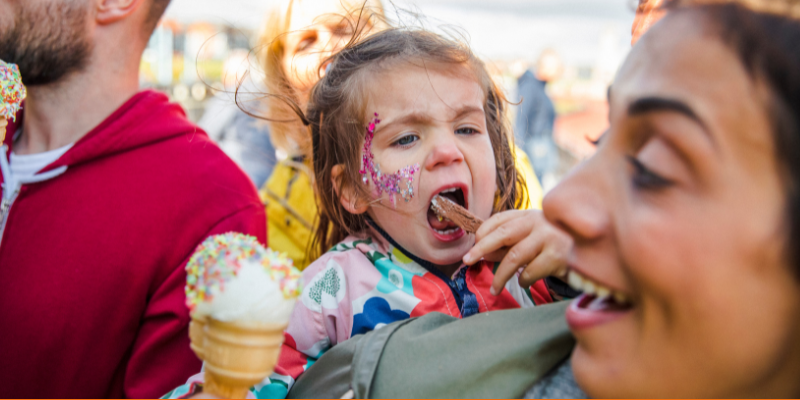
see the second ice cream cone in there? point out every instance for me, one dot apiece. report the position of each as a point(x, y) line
point(3, 125)
point(238, 355)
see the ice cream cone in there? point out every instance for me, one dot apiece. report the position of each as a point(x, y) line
point(197, 335)
point(239, 355)
point(3, 124)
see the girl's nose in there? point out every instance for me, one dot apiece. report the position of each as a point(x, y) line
point(579, 204)
point(445, 152)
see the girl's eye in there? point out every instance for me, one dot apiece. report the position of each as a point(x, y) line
point(643, 178)
point(406, 140)
point(466, 131)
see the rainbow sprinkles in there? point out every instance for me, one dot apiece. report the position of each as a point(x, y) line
point(392, 184)
point(219, 258)
point(12, 91)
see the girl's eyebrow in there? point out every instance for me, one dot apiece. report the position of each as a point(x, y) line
point(415, 118)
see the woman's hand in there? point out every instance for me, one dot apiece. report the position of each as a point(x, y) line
point(520, 239)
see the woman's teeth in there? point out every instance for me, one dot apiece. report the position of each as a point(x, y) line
point(587, 286)
point(447, 232)
point(451, 190)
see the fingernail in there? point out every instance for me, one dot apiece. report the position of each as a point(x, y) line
point(467, 259)
point(492, 291)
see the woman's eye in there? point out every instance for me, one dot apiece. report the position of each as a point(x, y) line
point(406, 140)
point(306, 43)
point(466, 131)
point(643, 178)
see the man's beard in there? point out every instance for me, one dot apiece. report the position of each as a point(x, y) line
point(46, 42)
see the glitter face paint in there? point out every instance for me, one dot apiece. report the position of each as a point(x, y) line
point(400, 182)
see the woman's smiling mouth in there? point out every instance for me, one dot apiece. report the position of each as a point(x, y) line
point(597, 305)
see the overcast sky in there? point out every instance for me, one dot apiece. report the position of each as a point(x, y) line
point(583, 31)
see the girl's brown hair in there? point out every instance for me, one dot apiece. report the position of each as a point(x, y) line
point(337, 114)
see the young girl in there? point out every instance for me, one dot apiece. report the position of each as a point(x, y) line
point(397, 119)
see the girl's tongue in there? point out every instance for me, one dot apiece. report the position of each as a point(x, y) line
point(437, 224)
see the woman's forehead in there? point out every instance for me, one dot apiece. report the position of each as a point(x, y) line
point(682, 59)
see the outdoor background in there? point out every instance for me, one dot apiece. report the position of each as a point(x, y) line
point(187, 55)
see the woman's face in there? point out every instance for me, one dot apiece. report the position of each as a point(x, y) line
point(317, 29)
point(679, 220)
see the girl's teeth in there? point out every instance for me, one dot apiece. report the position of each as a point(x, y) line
point(447, 232)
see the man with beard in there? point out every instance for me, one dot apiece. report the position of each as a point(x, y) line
point(106, 191)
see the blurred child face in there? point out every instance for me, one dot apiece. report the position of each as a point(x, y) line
point(681, 215)
point(433, 117)
point(317, 29)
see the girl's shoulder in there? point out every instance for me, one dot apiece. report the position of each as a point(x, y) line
point(344, 272)
point(351, 253)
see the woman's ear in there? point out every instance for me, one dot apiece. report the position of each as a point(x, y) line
point(348, 196)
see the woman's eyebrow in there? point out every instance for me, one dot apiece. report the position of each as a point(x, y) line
point(647, 105)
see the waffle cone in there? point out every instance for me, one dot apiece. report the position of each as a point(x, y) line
point(238, 356)
point(197, 335)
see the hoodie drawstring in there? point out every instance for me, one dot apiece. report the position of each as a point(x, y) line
point(12, 184)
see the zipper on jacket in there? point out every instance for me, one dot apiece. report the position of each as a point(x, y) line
point(5, 207)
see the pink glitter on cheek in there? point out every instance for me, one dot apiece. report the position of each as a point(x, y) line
point(400, 182)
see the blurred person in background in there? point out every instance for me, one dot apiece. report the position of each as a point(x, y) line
point(299, 36)
point(243, 137)
point(536, 116)
point(106, 192)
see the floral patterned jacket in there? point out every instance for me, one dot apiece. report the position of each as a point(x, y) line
point(363, 284)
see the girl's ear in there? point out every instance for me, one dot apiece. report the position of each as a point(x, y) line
point(348, 196)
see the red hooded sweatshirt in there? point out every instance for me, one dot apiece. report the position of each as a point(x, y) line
point(92, 255)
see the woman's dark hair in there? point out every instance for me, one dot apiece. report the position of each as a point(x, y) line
point(337, 115)
point(767, 42)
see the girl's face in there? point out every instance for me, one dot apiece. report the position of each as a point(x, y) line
point(432, 117)
point(317, 29)
point(681, 216)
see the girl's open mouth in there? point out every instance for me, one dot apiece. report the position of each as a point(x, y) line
point(597, 305)
point(444, 229)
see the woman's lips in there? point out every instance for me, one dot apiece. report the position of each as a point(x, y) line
point(588, 311)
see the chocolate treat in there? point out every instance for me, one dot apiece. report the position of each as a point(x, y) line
point(446, 208)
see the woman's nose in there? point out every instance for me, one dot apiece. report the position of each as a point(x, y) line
point(445, 152)
point(579, 204)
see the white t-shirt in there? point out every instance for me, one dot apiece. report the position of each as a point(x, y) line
point(26, 166)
